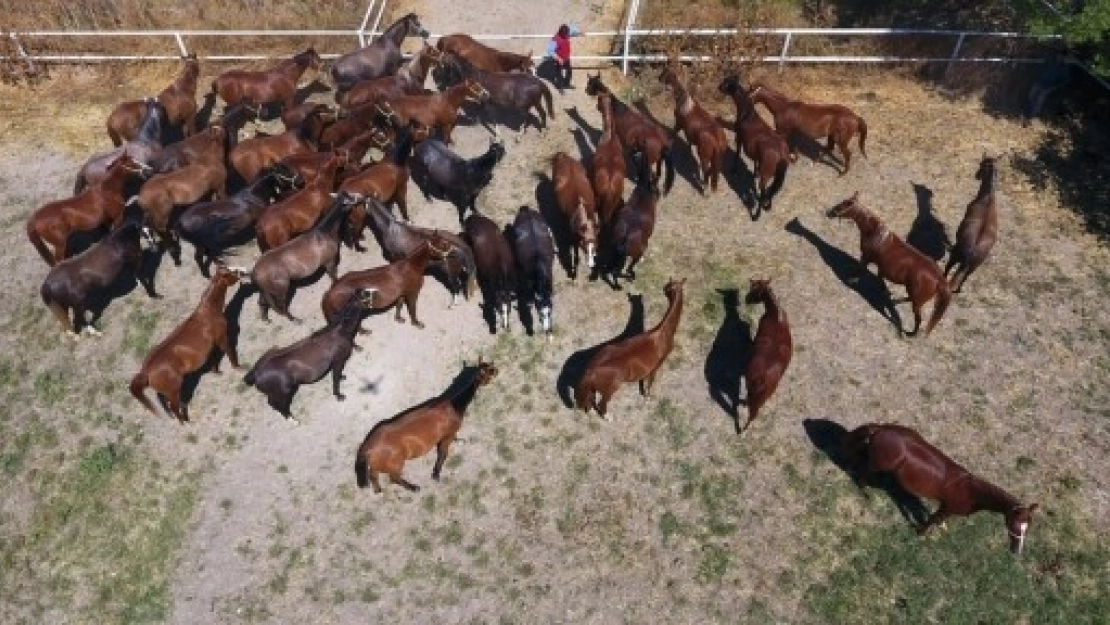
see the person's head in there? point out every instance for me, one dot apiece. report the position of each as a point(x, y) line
point(564, 31)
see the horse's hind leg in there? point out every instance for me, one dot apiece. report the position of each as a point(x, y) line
point(410, 303)
point(396, 478)
point(843, 144)
point(441, 455)
point(62, 314)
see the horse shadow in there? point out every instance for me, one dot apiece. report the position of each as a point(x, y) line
point(587, 137)
point(518, 121)
point(681, 155)
point(203, 117)
point(233, 312)
point(549, 71)
point(848, 270)
point(729, 356)
point(927, 234)
point(827, 436)
point(810, 148)
point(741, 180)
point(575, 366)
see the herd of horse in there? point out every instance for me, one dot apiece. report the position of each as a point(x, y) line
point(306, 193)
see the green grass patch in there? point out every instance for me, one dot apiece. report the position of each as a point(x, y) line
point(140, 330)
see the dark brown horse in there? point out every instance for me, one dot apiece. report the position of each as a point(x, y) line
point(146, 148)
point(416, 431)
point(50, 227)
point(275, 85)
point(703, 133)
point(400, 240)
point(771, 350)
point(978, 230)
point(276, 270)
point(484, 57)
point(297, 213)
point(897, 261)
point(438, 110)
point(294, 117)
point(72, 283)
point(210, 146)
point(575, 198)
point(925, 471)
point(635, 359)
point(386, 181)
point(511, 91)
point(493, 258)
point(534, 251)
point(164, 194)
point(633, 225)
point(213, 227)
point(608, 165)
point(380, 58)
point(836, 123)
point(638, 132)
point(438, 170)
point(409, 80)
point(767, 149)
point(394, 285)
point(188, 348)
point(251, 156)
point(281, 371)
point(179, 100)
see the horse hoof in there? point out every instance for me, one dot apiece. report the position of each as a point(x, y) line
point(292, 420)
point(341, 397)
point(91, 331)
point(418, 324)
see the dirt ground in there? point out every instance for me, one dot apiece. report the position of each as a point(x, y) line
point(547, 515)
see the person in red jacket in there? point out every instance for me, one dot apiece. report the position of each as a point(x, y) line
point(558, 49)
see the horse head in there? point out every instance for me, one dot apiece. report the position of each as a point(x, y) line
point(309, 58)
point(758, 291)
point(986, 167)
point(1017, 525)
point(674, 288)
point(843, 209)
point(730, 85)
point(414, 27)
point(486, 372)
point(226, 275)
point(594, 86)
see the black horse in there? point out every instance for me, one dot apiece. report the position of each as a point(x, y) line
point(534, 248)
point(380, 58)
point(214, 227)
point(496, 269)
point(439, 171)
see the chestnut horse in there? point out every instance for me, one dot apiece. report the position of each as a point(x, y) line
point(394, 284)
point(493, 258)
point(575, 198)
point(297, 213)
point(380, 58)
point(213, 227)
point(409, 80)
point(387, 181)
point(164, 194)
point(276, 270)
point(767, 149)
point(897, 261)
point(484, 57)
point(837, 123)
point(251, 156)
point(608, 165)
point(179, 100)
point(439, 110)
point(309, 164)
point(71, 284)
point(146, 148)
point(415, 431)
point(93, 208)
point(978, 230)
point(633, 225)
point(277, 84)
point(635, 359)
point(703, 133)
point(771, 350)
point(638, 132)
point(281, 371)
point(188, 348)
point(925, 471)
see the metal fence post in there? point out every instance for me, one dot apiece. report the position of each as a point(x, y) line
point(629, 25)
point(955, 52)
point(365, 21)
point(785, 49)
point(23, 54)
point(181, 44)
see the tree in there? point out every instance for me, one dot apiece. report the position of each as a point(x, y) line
point(1084, 25)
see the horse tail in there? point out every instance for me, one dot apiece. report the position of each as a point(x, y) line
point(780, 177)
point(361, 470)
point(36, 240)
point(139, 384)
point(547, 100)
point(668, 161)
point(582, 393)
point(944, 296)
point(471, 273)
point(862, 136)
point(252, 375)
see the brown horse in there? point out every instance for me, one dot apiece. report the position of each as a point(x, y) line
point(771, 350)
point(925, 471)
point(608, 165)
point(409, 80)
point(978, 230)
point(179, 100)
point(439, 110)
point(164, 194)
point(837, 123)
point(394, 284)
point(386, 181)
point(188, 348)
point(635, 359)
point(277, 84)
point(251, 156)
point(414, 432)
point(276, 270)
point(638, 132)
point(633, 225)
point(897, 261)
point(484, 57)
point(767, 149)
point(496, 266)
point(147, 148)
point(72, 283)
point(308, 165)
point(93, 208)
point(299, 212)
point(210, 146)
point(702, 130)
point(281, 371)
point(575, 198)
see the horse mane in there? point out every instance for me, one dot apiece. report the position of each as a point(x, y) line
point(334, 214)
point(487, 161)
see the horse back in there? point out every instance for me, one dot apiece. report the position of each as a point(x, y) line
point(920, 468)
point(415, 431)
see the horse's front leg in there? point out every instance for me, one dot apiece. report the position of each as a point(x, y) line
point(337, 374)
point(936, 518)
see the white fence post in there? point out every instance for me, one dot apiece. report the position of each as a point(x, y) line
point(955, 52)
point(785, 49)
point(365, 21)
point(629, 25)
point(23, 54)
point(181, 44)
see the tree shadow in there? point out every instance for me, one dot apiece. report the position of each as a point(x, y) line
point(848, 270)
point(729, 355)
point(827, 436)
point(560, 229)
point(928, 234)
point(575, 366)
